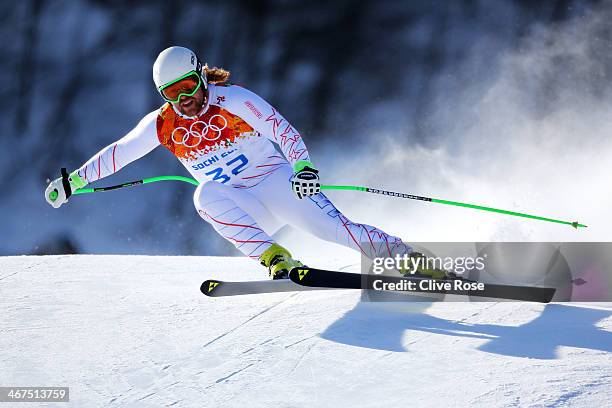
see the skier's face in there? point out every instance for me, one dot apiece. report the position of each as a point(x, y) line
point(192, 105)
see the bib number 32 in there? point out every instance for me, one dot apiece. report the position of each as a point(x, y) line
point(234, 166)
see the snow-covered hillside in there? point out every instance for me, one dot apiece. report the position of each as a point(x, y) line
point(125, 331)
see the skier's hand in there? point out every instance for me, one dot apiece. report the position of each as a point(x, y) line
point(55, 194)
point(305, 181)
point(60, 189)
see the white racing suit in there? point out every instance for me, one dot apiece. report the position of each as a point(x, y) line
point(244, 190)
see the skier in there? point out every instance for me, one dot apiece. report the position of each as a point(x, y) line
point(224, 134)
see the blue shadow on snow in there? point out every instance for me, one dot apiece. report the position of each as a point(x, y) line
point(372, 326)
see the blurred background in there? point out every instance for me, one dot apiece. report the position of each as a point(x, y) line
point(499, 103)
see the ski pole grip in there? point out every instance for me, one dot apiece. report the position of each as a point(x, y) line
point(66, 182)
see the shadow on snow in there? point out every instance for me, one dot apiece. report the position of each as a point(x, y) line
point(373, 326)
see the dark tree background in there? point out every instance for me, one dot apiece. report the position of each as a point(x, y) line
point(76, 75)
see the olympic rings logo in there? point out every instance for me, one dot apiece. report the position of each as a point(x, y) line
point(196, 134)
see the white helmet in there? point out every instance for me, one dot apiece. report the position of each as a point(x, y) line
point(174, 62)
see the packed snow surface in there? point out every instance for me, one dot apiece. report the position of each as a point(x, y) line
point(125, 331)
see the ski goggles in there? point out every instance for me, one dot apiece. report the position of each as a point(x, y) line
point(186, 85)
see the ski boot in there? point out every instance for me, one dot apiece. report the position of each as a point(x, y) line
point(423, 271)
point(278, 261)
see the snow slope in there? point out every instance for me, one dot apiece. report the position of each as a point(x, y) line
point(125, 331)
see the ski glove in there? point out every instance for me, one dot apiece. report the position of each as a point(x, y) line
point(60, 189)
point(305, 181)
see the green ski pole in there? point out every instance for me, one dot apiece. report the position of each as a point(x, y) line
point(574, 224)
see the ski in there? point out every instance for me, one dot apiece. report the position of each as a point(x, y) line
point(312, 277)
point(218, 288)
